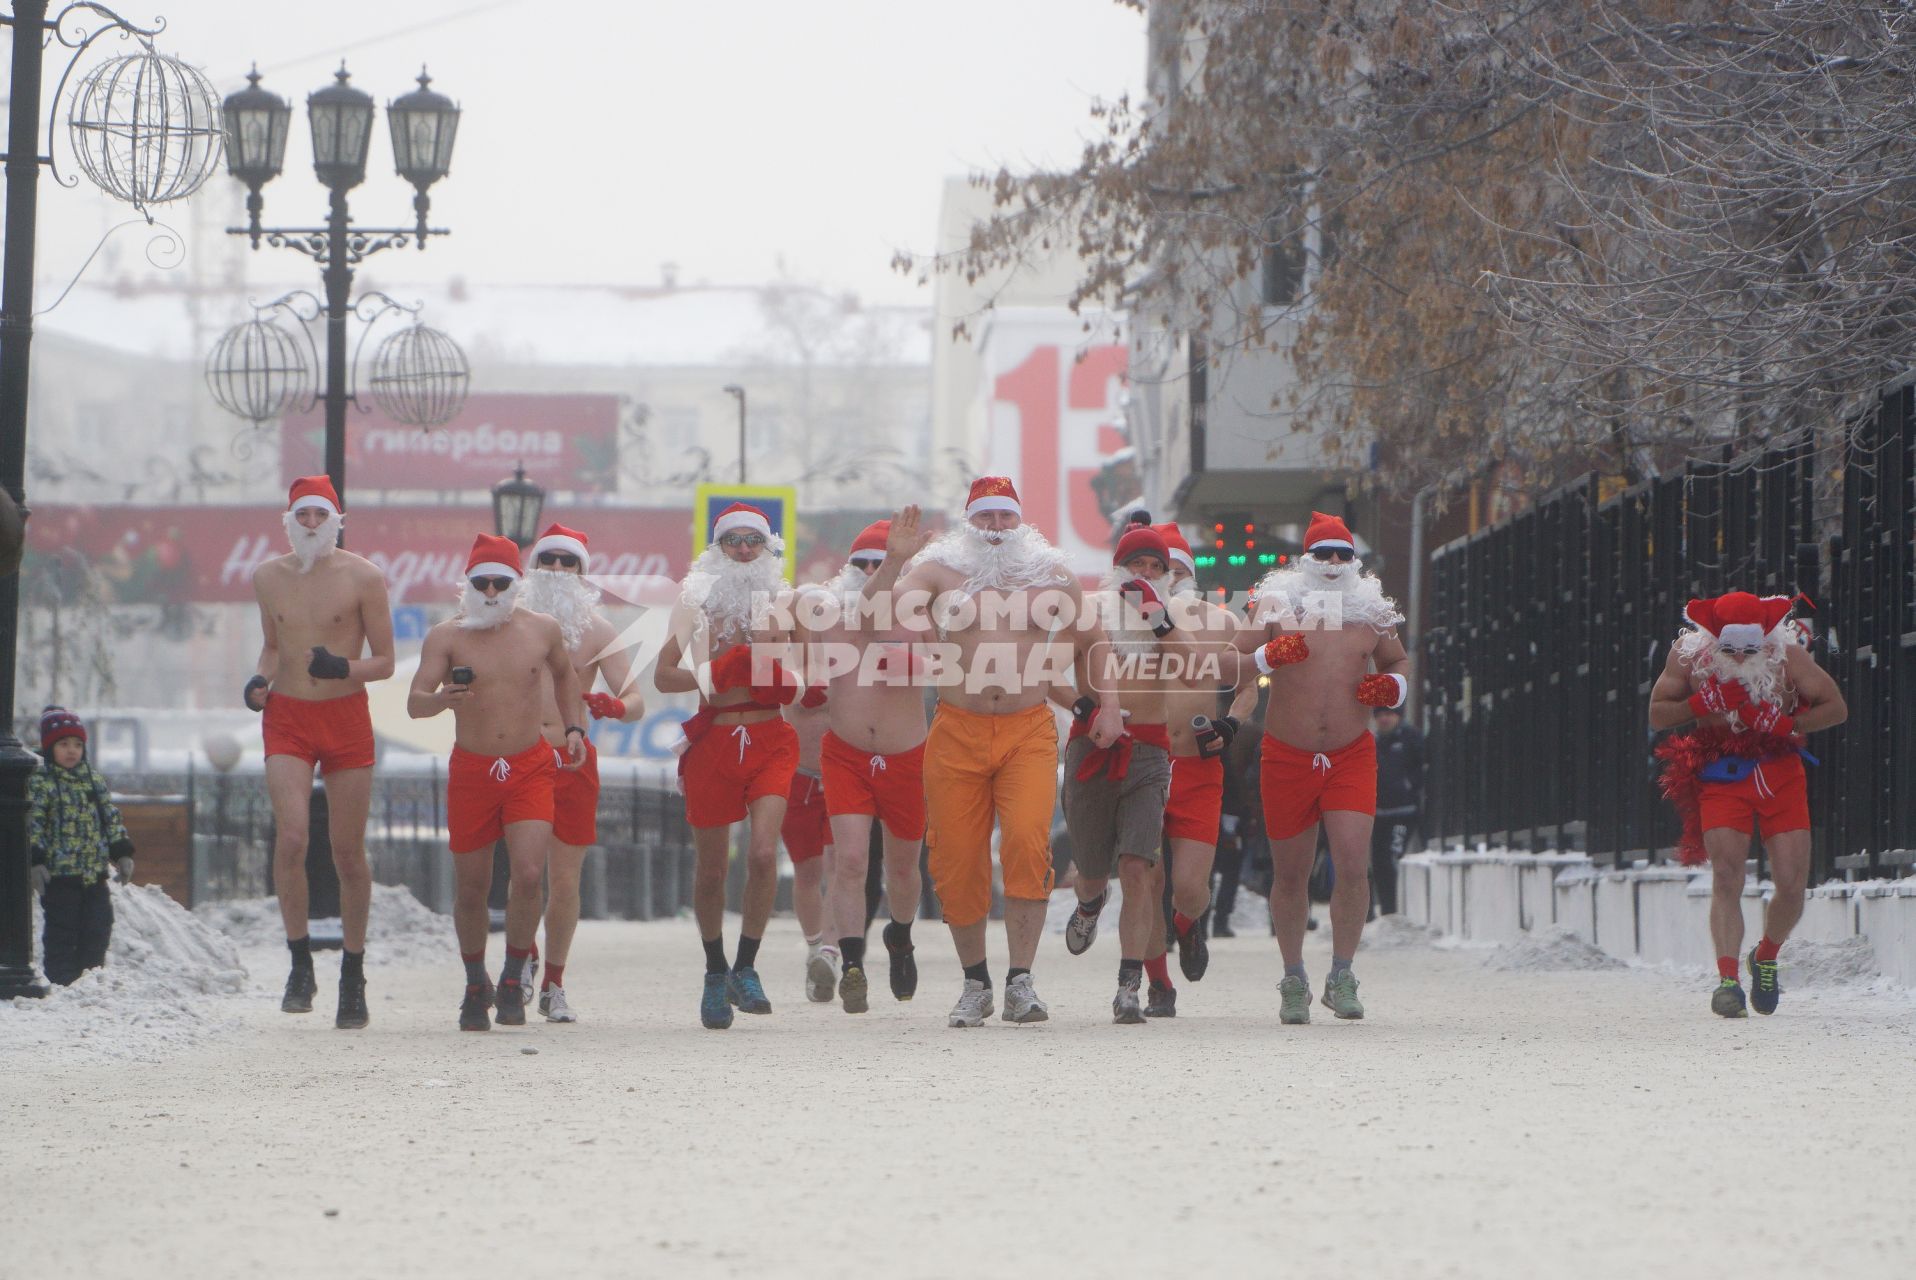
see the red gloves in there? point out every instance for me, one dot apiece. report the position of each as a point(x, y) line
point(1381, 690)
point(732, 669)
point(1144, 597)
point(1281, 652)
point(1767, 717)
point(604, 706)
point(813, 697)
point(782, 689)
point(1718, 698)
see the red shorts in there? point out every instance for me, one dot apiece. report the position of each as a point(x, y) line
point(806, 829)
point(1196, 799)
point(575, 800)
point(731, 765)
point(334, 734)
point(1777, 794)
point(485, 793)
point(889, 788)
point(1299, 786)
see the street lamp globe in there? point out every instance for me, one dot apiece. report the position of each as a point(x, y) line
point(516, 504)
point(342, 121)
point(424, 124)
point(256, 124)
point(420, 377)
point(146, 128)
point(258, 371)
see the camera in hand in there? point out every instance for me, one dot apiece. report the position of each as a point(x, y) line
point(462, 675)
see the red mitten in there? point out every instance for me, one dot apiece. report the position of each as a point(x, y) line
point(1382, 690)
point(1281, 652)
point(1144, 597)
point(604, 706)
point(782, 689)
point(1717, 697)
point(1767, 717)
point(732, 669)
point(813, 697)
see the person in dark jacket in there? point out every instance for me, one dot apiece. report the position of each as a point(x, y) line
point(1400, 801)
point(77, 837)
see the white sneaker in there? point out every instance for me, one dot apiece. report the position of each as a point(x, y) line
point(1022, 1003)
point(552, 1003)
point(1080, 931)
point(529, 980)
point(821, 974)
point(973, 1007)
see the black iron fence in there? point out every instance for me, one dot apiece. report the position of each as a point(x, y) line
point(1547, 631)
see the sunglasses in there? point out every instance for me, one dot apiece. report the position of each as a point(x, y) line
point(868, 563)
point(565, 559)
point(490, 584)
point(1342, 555)
point(1745, 651)
point(742, 540)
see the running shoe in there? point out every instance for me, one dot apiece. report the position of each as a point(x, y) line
point(973, 1007)
point(1125, 1008)
point(472, 1010)
point(743, 989)
point(904, 969)
point(1079, 933)
point(1295, 1009)
point(1727, 1000)
point(301, 987)
point(1194, 953)
point(1161, 1002)
point(529, 979)
point(1764, 989)
point(509, 1003)
point(1340, 995)
point(352, 1013)
point(853, 989)
point(715, 1009)
point(1022, 1003)
point(821, 974)
point(553, 1004)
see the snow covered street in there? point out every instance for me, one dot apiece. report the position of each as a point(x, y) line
point(1483, 1121)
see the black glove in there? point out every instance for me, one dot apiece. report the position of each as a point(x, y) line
point(328, 666)
point(1226, 727)
point(256, 684)
point(121, 848)
point(1084, 708)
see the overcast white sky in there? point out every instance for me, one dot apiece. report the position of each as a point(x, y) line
point(605, 137)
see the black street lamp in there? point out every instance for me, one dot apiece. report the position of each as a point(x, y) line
point(424, 124)
point(516, 504)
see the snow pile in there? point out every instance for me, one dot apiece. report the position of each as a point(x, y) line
point(399, 930)
point(1828, 964)
point(1552, 949)
point(1395, 933)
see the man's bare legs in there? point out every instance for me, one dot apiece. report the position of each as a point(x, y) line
point(851, 845)
point(1349, 837)
point(1137, 907)
point(809, 904)
point(349, 795)
point(289, 787)
point(712, 847)
point(903, 884)
point(1190, 877)
point(563, 869)
point(1290, 892)
point(1790, 873)
point(761, 865)
point(472, 885)
point(1024, 925)
point(969, 940)
point(1729, 852)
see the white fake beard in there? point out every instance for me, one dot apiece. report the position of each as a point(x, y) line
point(1361, 594)
point(310, 546)
point(481, 612)
point(1761, 676)
point(850, 580)
point(1006, 560)
point(1184, 586)
point(563, 596)
point(734, 594)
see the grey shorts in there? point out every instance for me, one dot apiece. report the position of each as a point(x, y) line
point(1112, 817)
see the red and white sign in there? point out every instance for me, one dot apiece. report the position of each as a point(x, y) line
point(565, 442)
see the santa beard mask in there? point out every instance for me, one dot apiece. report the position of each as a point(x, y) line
point(850, 580)
point(565, 597)
point(1184, 586)
point(310, 546)
point(1761, 676)
point(481, 612)
point(999, 559)
point(734, 594)
point(1312, 588)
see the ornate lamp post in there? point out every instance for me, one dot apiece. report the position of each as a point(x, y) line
point(733, 389)
point(516, 504)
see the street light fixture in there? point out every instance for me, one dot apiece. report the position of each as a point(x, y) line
point(733, 389)
point(516, 504)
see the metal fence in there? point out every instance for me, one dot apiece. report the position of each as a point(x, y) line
point(1547, 631)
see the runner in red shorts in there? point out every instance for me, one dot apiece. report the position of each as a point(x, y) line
point(481, 665)
point(807, 833)
point(1742, 674)
point(320, 609)
point(1317, 632)
point(740, 753)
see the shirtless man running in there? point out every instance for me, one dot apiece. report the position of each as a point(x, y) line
point(1318, 630)
point(486, 665)
point(320, 608)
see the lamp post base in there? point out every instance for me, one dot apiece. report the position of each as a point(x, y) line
point(17, 978)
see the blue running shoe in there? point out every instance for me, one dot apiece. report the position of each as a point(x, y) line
point(715, 1011)
point(1764, 989)
point(1727, 1000)
point(745, 991)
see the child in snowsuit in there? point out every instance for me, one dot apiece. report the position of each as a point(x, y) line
point(76, 836)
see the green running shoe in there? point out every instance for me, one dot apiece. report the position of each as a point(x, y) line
point(744, 989)
point(715, 1009)
point(1340, 995)
point(1727, 1000)
point(1296, 1008)
point(1764, 988)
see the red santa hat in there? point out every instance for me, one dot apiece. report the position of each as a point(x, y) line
point(559, 538)
point(493, 557)
point(1328, 531)
point(993, 493)
point(741, 516)
point(313, 491)
point(872, 538)
point(1142, 539)
point(1739, 619)
point(1175, 543)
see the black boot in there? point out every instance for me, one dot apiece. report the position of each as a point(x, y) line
point(352, 1005)
point(301, 987)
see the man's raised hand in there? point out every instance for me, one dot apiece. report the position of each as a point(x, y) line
point(906, 538)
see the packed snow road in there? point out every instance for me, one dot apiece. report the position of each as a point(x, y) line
point(1480, 1122)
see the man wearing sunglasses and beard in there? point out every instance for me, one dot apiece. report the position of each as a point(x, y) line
point(499, 670)
point(1326, 635)
point(556, 587)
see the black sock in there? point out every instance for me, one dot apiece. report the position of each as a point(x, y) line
point(853, 949)
point(302, 949)
point(1013, 972)
point(715, 955)
point(898, 935)
point(475, 970)
point(1130, 971)
point(980, 972)
point(1092, 907)
point(515, 967)
point(747, 953)
point(352, 966)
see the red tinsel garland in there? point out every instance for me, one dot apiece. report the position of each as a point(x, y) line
point(1685, 755)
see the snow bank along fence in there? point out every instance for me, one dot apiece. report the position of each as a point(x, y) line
point(1548, 629)
point(1652, 913)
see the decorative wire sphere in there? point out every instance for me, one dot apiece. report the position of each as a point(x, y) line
point(146, 128)
point(420, 377)
point(258, 371)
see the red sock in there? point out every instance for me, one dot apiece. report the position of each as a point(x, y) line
point(1766, 950)
point(1160, 973)
point(477, 957)
point(534, 952)
point(1726, 967)
point(520, 953)
point(554, 977)
point(1183, 922)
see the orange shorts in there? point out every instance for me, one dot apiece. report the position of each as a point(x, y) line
point(333, 733)
point(486, 793)
point(1301, 786)
point(806, 829)
point(731, 765)
point(979, 768)
point(1196, 800)
point(575, 800)
point(1777, 795)
point(889, 788)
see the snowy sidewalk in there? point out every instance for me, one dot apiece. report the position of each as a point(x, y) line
point(1481, 1122)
